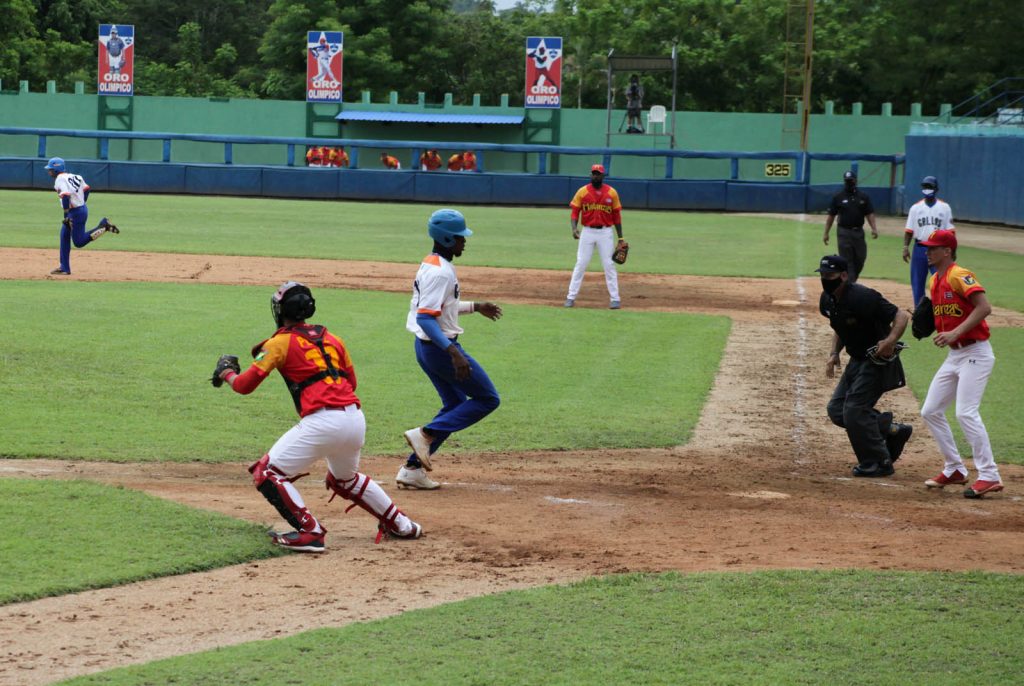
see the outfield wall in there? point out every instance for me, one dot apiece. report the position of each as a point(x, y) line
point(980, 170)
point(378, 185)
point(862, 133)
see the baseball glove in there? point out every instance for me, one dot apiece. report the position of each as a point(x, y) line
point(66, 221)
point(621, 252)
point(922, 323)
point(873, 353)
point(225, 362)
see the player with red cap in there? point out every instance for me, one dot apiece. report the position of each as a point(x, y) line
point(959, 306)
point(598, 205)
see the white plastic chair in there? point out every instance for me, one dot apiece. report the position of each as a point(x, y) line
point(656, 115)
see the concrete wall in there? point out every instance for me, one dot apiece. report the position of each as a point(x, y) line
point(584, 128)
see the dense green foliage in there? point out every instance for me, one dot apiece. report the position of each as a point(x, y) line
point(762, 628)
point(67, 536)
point(731, 53)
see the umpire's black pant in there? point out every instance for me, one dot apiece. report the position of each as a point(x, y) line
point(854, 249)
point(853, 407)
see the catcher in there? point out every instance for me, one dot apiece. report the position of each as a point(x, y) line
point(869, 327)
point(599, 205)
point(321, 379)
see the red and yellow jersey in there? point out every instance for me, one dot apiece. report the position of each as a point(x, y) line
point(313, 155)
point(468, 161)
point(599, 206)
point(951, 301)
point(298, 358)
point(430, 161)
point(391, 162)
point(455, 162)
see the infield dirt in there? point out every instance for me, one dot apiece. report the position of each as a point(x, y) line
point(763, 484)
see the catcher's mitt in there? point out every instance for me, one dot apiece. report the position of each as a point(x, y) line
point(225, 362)
point(922, 323)
point(66, 221)
point(621, 253)
point(896, 349)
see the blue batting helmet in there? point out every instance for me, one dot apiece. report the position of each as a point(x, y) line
point(930, 182)
point(445, 225)
point(55, 164)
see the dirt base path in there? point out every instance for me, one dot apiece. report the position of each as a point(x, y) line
point(764, 484)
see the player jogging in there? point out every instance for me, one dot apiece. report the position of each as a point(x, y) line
point(320, 376)
point(599, 205)
point(467, 394)
point(959, 306)
point(927, 215)
point(73, 192)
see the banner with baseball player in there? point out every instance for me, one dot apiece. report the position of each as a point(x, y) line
point(116, 73)
point(544, 72)
point(323, 66)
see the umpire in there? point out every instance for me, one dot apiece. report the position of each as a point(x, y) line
point(862, 319)
point(852, 206)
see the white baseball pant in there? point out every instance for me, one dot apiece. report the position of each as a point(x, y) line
point(338, 437)
point(605, 242)
point(962, 377)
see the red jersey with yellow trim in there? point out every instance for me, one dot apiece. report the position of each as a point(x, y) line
point(298, 358)
point(430, 161)
point(391, 162)
point(951, 301)
point(455, 162)
point(600, 206)
point(468, 161)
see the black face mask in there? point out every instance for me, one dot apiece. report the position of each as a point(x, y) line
point(851, 186)
point(830, 285)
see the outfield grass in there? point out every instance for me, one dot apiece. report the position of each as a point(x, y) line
point(1000, 408)
point(762, 628)
point(76, 535)
point(120, 371)
point(662, 242)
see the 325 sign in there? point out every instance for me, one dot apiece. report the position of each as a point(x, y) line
point(778, 169)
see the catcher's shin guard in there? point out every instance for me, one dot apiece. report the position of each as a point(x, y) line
point(277, 488)
point(364, 492)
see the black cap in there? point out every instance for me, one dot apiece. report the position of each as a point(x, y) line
point(832, 264)
point(849, 175)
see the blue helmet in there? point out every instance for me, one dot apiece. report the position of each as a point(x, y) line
point(445, 225)
point(930, 182)
point(56, 164)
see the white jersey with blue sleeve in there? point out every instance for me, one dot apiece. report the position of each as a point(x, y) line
point(73, 186)
point(435, 292)
point(922, 220)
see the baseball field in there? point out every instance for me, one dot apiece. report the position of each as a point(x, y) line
point(660, 498)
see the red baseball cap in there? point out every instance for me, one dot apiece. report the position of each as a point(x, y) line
point(942, 239)
point(597, 168)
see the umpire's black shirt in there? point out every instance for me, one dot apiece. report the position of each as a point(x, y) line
point(861, 318)
point(851, 207)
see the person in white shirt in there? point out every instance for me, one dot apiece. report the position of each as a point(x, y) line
point(927, 215)
point(467, 394)
point(73, 192)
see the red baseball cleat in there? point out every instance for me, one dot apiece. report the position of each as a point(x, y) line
point(957, 478)
point(302, 541)
point(980, 488)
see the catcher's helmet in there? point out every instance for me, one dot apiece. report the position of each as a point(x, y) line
point(445, 225)
point(930, 182)
point(292, 301)
point(56, 164)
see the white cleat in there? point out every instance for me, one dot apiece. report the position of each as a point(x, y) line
point(420, 445)
point(415, 478)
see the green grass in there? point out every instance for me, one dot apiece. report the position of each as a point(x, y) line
point(120, 371)
point(763, 628)
point(1000, 408)
point(662, 242)
point(67, 536)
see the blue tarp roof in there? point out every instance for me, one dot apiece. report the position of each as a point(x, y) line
point(431, 118)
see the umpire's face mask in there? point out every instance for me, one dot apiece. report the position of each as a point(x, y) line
point(831, 285)
point(851, 184)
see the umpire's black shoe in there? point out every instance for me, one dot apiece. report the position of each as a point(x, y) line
point(896, 442)
point(873, 470)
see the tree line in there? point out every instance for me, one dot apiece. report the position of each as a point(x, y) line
point(731, 52)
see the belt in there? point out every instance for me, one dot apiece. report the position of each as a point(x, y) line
point(962, 344)
point(599, 227)
point(852, 228)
